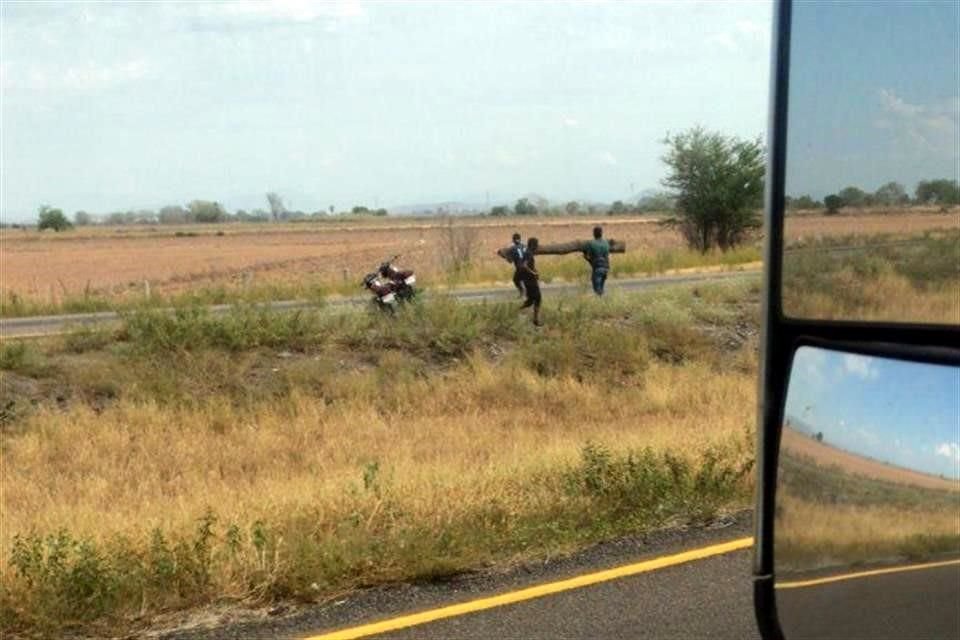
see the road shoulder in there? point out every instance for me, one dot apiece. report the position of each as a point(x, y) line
point(380, 602)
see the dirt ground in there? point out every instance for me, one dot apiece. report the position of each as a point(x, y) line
point(110, 260)
point(825, 455)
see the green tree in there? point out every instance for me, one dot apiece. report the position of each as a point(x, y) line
point(655, 202)
point(500, 210)
point(718, 184)
point(618, 208)
point(173, 214)
point(525, 208)
point(572, 208)
point(891, 194)
point(205, 211)
point(82, 219)
point(833, 203)
point(50, 218)
point(938, 192)
point(803, 202)
point(853, 196)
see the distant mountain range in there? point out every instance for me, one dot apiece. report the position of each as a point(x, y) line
point(463, 207)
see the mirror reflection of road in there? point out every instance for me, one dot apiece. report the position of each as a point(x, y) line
point(912, 601)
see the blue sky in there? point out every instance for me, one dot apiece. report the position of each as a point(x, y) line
point(904, 413)
point(874, 94)
point(111, 106)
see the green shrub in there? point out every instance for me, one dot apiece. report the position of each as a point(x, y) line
point(241, 328)
point(22, 357)
point(650, 487)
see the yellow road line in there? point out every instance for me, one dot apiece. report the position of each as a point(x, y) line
point(863, 574)
point(538, 591)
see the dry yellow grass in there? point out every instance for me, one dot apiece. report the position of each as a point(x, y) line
point(448, 438)
point(471, 437)
point(811, 535)
point(890, 298)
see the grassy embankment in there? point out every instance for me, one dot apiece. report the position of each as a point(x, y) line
point(827, 516)
point(188, 459)
point(895, 278)
point(313, 288)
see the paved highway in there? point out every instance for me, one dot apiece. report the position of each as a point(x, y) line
point(919, 601)
point(709, 598)
point(53, 325)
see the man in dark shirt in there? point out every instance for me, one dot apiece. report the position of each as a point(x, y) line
point(530, 278)
point(598, 255)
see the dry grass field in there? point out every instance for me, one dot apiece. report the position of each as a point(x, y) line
point(261, 457)
point(113, 263)
point(835, 508)
point(799, 444)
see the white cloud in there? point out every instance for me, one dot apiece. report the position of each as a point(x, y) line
point(569, 121)
point(926, 127)
point(808, 366)
point(860, 366)
point(949, 450)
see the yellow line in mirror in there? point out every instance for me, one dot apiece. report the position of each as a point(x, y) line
point(863, 574)
point(538, 591)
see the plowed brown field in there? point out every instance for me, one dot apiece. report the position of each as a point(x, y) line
point(110, 260)
point(825, 455)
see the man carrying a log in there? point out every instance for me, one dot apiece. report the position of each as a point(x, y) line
point(517, 252)
point(597, 253)
point(529, 276)
point(514, 255)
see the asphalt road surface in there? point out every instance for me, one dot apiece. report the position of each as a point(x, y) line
point(917, 603)
point(709, 598)
point(52, 325)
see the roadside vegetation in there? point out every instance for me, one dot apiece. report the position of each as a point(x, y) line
point(316, 289)
point(882, 277)
point(188, 459)
point(827, 516)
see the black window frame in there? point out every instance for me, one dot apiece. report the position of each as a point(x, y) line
point(781, 336)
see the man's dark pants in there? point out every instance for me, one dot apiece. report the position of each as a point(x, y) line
point(598, 278)
point(518, 280)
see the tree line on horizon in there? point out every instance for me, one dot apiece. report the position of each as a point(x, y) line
point(940, 192)
point(713, 196)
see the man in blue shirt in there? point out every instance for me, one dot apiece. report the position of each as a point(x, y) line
point(598, 255)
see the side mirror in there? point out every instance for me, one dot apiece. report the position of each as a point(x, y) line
point(867, 517)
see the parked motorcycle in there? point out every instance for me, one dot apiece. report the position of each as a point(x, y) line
point(390, 286)
point(404, 279)
point(384, 291)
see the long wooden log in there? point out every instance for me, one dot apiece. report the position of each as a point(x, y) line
point(560, 248)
